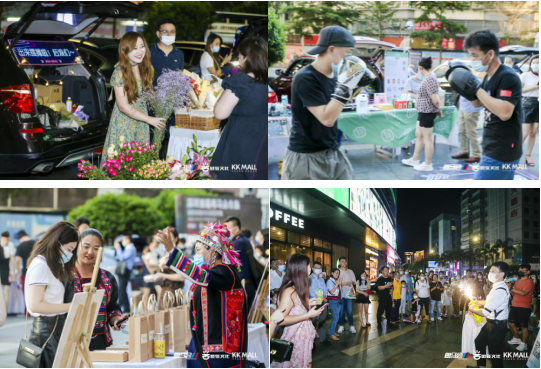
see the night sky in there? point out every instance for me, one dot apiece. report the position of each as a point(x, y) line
point(415, 209)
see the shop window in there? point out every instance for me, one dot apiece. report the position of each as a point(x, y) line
point(305, 240)
point(277, 234)
point(318, 242)
point(327, 245)
point(293, 237)
point(338, 252)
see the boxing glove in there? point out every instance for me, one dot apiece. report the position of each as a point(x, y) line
point(350, 71)
point(454, 65)
point(464, 83)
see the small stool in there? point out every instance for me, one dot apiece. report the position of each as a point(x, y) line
point(98, 151)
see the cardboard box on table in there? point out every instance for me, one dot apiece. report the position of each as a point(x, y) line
point(46, 95)
point(109, 355)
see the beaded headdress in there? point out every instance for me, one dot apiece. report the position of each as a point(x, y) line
point(218, 237)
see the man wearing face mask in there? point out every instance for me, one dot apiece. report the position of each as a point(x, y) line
point(318, 95)
point(125, 255)
point(277, 274)
point(246, 255)
point(496, 310)
point(510, 62)
point(521, 307)
point(501, 95)
point(165, 55)
point(317, 283)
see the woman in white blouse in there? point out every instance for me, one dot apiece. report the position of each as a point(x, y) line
point(211, 62)
point(50, 267)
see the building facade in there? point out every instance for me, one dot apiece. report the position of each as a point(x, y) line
point(444, 233)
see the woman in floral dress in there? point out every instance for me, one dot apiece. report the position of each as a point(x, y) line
point(131, 76)
point(294, 298)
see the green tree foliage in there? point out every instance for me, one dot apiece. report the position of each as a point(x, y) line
point(277, 39)
point(378, 17)
point(309, 17)
point(112, 214)
point(443, 28)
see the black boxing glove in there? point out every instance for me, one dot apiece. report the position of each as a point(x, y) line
point(464, 83)
point(350, 71)
point(454, 65)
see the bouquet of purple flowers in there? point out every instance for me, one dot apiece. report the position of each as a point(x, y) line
point(170, 94)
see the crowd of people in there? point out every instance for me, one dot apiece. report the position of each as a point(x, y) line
point(240, 107)
point(46, 274)
point(304, 298)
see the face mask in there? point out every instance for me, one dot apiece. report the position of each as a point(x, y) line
point(520, 274)
point(415, 296)
point(334, 66)
point(281, 268)
point(168, 40)
point(480, 276)
point(363, 277)
point(183, 248)
point(535, 67)
point(124, 243)
point(199, 260)
point(422, 278)
point(492, 277)
point(407, 273)
point(403, 285)
point(421, 77)
point(317, 271)
point(478, 66)
point(401, 273)
point(66, 256)
point(215, 49)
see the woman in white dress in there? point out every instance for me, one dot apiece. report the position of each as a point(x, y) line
point(211, 62)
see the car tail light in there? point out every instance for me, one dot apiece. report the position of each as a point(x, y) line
point(32, 130)
point(18, 99)
point(272, 97)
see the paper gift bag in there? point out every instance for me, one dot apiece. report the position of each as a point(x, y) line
point(151, 309)
point(162, 320)
point(184, 306)
point(138, 336)
point(178, 329)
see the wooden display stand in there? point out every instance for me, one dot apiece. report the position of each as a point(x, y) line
point(259, 308)
point(73, 348)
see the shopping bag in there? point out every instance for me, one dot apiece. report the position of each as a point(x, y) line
point(151, 317)
point(178, 322)
point(138, 335)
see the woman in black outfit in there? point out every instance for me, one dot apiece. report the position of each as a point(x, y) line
point(243, 102)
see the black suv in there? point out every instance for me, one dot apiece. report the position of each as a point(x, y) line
point(28, 142)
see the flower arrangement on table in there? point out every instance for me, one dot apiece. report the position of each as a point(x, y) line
point(137, 160)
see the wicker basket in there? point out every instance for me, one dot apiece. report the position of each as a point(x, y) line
point(202, 120)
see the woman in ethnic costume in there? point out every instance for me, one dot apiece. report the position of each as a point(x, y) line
point(218, 308)
point(90, 242)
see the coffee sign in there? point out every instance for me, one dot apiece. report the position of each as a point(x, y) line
point(286, 218)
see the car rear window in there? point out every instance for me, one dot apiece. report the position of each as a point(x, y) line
point(71, 19)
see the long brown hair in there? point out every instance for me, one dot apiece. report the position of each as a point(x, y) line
point(530, 64)
point(49, 245)
point(208, 49)
point(296, 276)
point(256, 53)
point(126, 46)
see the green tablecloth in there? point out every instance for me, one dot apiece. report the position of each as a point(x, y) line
point(393, 128)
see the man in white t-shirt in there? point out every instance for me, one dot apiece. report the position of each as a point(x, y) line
point(422, 288)
point(277, 274)
point(348, 295)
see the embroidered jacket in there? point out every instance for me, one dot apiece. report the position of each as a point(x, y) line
point(109, 306)
point(218, 309)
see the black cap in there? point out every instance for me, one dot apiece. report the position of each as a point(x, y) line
point(333, 36)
